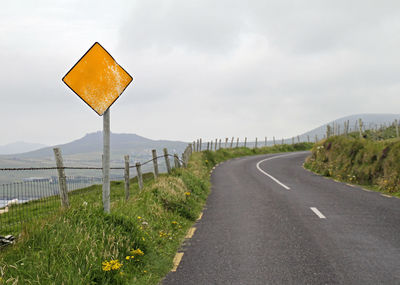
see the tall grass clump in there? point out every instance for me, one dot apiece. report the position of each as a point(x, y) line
point(359, 161)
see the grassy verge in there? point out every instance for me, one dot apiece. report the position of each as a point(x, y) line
point(135, 244)
point(374, 164)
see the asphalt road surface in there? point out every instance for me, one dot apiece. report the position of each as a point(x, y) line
point(269, 221)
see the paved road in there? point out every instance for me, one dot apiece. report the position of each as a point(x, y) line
point(256, 231)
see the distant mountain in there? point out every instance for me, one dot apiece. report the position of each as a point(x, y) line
point(19, 147)
point(87, 152)
point(369, 121)
point(89, 149)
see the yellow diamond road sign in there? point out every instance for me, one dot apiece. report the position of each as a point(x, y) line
point(97, 79)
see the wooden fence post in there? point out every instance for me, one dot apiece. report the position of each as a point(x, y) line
point(215, 147)
point(232, 141)
point(226, 142)
point(62, 180)
point(194, 146)
point(298, 139)
point(126, 176)
point(328, 130)
point(139, 175)
point(265, 141)
point(237, 142)
point(167, 161)
point(155, 163)
point(273, 138)
point(245, 141)
point(360, 125)
point(255, 145)
point(211, 145)
point(176, 161)
point(184, 155)
point(220, 143)
point(282, 141)
point(208, 145)
point(201, 142)
point(308, 138)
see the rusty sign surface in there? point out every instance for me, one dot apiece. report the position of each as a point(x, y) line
point(97, 79)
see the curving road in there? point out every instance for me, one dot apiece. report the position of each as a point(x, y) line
point(269, 221)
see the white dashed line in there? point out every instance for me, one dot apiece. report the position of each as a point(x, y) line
point(317, 212)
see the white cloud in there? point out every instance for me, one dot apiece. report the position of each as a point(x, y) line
point(201, 68)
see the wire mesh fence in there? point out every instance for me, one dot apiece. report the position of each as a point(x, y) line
point(32, 198)
point(31, 193)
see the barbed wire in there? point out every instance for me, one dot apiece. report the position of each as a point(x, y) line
point(83, 167)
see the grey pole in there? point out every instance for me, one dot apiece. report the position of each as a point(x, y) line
point(106, 161)
point(168, 165)
point(126, 176)
point(155, 163)
point(62, 180)
point(139, 175)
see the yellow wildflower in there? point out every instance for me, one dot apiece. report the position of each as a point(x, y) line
point(187, 193)
point(106, 266)
point(137, 252)
point(115, 264)
point(139, 217)
point(111, 265)
point(174, 222)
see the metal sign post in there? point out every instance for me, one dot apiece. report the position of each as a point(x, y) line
point(99, 81)
point(106, 161)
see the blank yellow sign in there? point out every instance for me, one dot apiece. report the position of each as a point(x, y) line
point(97, 79)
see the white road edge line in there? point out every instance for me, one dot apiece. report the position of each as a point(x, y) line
point(270, 176)
point(317, 212)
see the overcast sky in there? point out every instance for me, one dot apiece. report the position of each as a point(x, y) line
point(201, 68)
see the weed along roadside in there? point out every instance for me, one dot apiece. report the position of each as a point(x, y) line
point(134, 244)
point(363, 161)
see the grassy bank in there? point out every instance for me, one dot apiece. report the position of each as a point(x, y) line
point(135, 244)
point(359, 161)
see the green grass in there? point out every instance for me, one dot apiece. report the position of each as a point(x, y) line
point(71, 246)
point(367, 162)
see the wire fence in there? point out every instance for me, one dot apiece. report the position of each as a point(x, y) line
point(37, 193)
